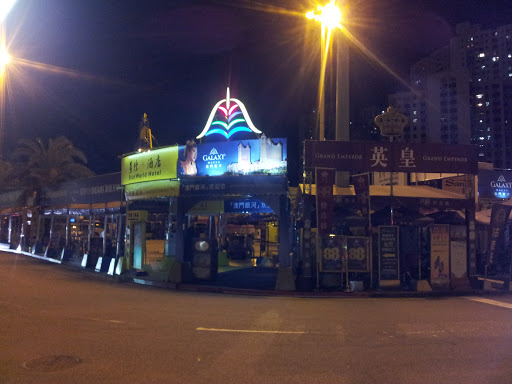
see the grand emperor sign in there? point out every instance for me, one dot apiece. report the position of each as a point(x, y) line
point(390, 157)
point(157, 164)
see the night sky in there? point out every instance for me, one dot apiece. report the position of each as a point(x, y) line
point(106, 62)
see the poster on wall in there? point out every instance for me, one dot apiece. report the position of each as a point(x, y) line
point(325, 179)
point(240, 157)
point(389, 268)
point(332, 250)
point(458, 257)
point(440, 255)
point(361, 185)
point(500, 214)
point(358, 254)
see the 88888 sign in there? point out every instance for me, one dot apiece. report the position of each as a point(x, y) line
point(333, 251)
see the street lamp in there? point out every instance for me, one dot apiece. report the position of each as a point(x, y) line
point(5, 7)
point(4, 59)
point(330, 16)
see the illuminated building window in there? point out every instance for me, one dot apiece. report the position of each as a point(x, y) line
point(481, 55)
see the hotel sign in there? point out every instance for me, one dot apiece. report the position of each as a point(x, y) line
point(263, 156)
point(494, 184)
point(157, 164)
point(390, 157)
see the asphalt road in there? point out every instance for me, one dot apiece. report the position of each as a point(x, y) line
point(59, 325)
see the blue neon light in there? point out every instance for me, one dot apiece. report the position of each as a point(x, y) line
point(233, 115)
point(227, 135)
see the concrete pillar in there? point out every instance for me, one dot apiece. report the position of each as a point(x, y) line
point(67, 230)
point(285, 277)
point(89, 230)
point(119, 234)
point(105, 227)
point(10, 230)
point(180, 231)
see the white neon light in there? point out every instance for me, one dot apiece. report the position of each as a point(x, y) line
point(228, 101)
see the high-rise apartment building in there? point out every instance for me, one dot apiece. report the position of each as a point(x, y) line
point(463, 94)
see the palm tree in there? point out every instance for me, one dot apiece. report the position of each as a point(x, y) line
point(37, 165)
point(41, 165)
point(5, 175)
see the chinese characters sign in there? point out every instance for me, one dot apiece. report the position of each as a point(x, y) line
point(440, 255)
point(324, 199)
point(246, 206)
point(499, 219)
point(390, 157)
point(362, 190)
point(158, 164)
point(388, 253)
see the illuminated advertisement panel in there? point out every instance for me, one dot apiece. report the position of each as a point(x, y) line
point(494, 184)
point(156, 164)
point(239, 157)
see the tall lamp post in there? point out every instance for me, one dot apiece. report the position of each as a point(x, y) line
point(330, 17)
point(5, 7)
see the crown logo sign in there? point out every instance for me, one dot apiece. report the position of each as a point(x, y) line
point(501, 178)
point(214, 152)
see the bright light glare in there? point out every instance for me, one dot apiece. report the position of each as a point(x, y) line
point(5, 7)
point(4, 58)
point(329, 15)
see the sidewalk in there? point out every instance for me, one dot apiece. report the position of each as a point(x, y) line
point(242, 282)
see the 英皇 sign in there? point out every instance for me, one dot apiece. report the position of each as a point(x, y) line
point(390, 157)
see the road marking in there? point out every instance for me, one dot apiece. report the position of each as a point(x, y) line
point(245, 330)
point(491, 302)
point(112, 321)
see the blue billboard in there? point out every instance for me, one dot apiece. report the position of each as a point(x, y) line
point(246, 206)
point(240, 157)
point(494, 184)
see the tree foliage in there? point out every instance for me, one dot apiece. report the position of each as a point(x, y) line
point(40, 164)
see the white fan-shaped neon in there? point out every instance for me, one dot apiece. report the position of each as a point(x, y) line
point(228, 101)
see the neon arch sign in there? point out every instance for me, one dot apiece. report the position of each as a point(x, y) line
point(236, 119)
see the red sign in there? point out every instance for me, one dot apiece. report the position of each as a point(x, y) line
point(325, 179)
point(391, 157)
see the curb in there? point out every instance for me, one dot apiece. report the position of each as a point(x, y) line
point(188, 287)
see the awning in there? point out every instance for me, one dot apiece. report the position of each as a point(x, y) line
point(418, 195)
point(152, 189)
point(484, 217)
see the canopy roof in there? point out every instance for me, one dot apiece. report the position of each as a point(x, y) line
point(418, 191)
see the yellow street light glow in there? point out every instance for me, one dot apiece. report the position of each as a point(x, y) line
point(329, 15)
point(4, 58)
